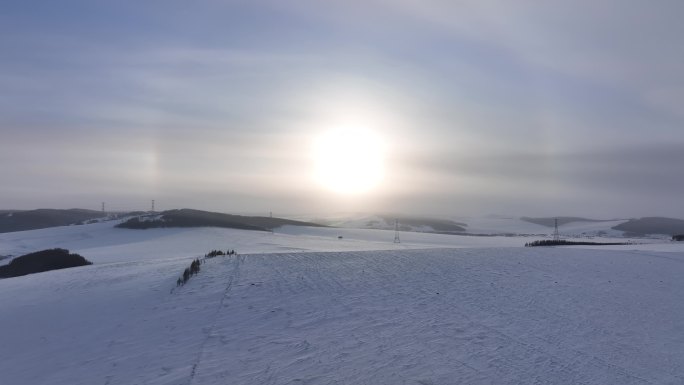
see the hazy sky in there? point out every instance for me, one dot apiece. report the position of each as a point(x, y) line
point(523, 107)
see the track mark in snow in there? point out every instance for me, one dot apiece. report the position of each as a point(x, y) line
point(232, 279)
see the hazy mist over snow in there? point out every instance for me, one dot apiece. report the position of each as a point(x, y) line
point(521, 108)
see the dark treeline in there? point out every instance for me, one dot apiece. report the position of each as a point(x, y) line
point(45, 260)
point(189, 272)
point(562, 242)
point(197, 262)
point(678, 238)
point(216, 253)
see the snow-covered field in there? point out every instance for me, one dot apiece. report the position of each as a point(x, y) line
point(301, 306)
point(482, 225)
point(101, 242)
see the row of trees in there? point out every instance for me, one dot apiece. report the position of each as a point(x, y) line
point(189, 272)
point(563, 242)
point(195, 265)
point(216, 253)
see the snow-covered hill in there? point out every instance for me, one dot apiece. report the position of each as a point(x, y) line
point(490, 225)
point(103, 243)
point(285, 312)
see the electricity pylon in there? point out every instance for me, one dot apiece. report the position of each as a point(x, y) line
point(556, 234)
point(396, 231)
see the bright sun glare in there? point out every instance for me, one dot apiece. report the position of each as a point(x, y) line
point(348, 160)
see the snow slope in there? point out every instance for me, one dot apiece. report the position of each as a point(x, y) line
point(432, 316)
point(433, 309)
point(103, 243)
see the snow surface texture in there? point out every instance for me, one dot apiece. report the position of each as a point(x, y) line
point(503, 315)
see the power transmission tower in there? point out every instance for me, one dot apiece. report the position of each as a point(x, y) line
point(556, 234)
point(103, 210)
point(152, 205)
point(396, 231)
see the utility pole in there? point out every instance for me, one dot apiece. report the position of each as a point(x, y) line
point(396, 231)
point(270, 215)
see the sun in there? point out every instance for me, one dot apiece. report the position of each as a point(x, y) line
point(348, 161)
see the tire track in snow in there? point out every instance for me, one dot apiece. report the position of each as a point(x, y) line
point(232, 279)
